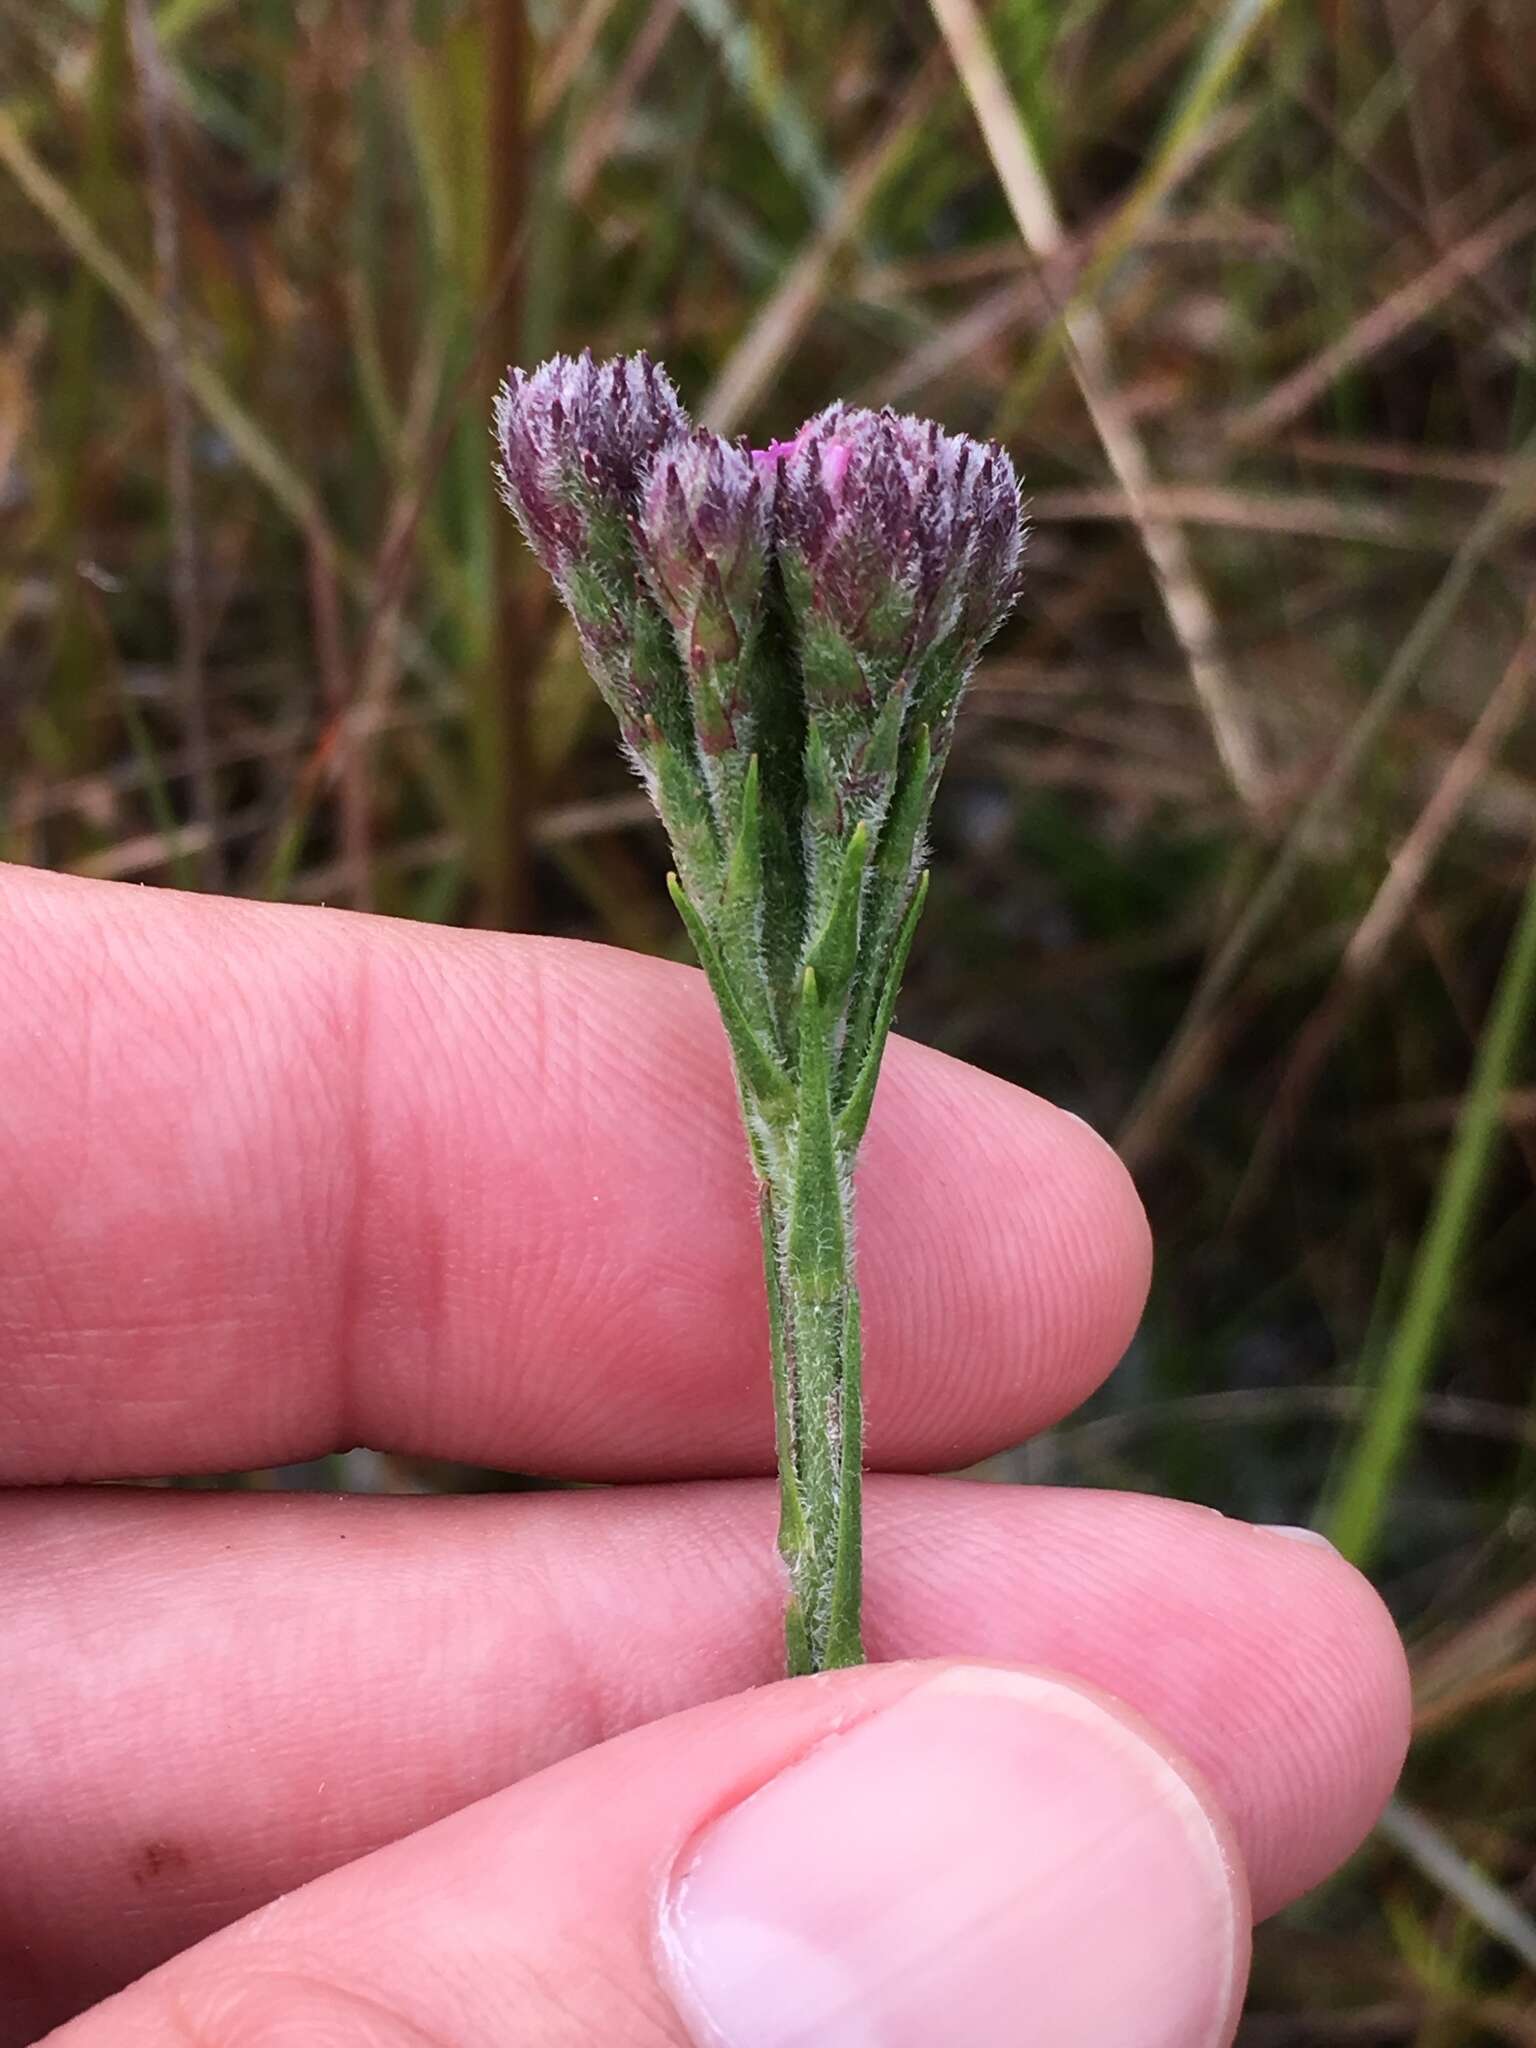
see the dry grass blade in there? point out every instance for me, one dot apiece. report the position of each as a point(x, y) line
point(150, 853)
point(170, 349)
point(959, 339)
point(1034, 209)
point(1246, 1407)
point(598, 138)
point(1414, 1835)
point(1307, 516)
point(18, 353)
point(571, 53)
point(1517, 1107)
point(1489, 472)
point(763, 350)
point(1511, 1681)
point(1411, 863)
point(1389, 909)
point(1499, 1639)
point(1384, 323)
point(1183, 1062)
point(255, 449)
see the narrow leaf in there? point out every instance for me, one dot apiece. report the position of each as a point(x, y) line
point(679, 795)
point(744, 874)
point(835, 954)
point(896, 863)
point(740, 923)
point(799, 1656)
point(816, 1228)
point(759, 1071)
point(902, 836)
point(854, 1115)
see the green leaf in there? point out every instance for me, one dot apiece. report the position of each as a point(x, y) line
point(881, 751)
point(744, 874)
point(683, 802)
point(739, 926)
point(799, 1657)
point(759, 1072)
point(821, 807)
point(772, 687)
point(901, 840)
point(898, 857)
point(816, 1224)
point(834, 956)
point(854, 1115)
point(938, 691)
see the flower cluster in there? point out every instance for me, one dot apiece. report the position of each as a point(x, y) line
point(815, 606)
point(783, 634)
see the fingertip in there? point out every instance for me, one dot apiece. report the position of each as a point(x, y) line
point(1273, 1664)
point(1359, 1684)
point(1027, 1233)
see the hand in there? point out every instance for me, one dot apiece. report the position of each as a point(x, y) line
point(279, 1182)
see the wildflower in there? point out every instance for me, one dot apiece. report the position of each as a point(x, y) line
point(784, 634)
point(891, 534)
point(575, 437)
point(703, 536)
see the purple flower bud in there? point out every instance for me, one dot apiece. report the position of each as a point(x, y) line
point(988, 509)
point(575, 436)
point(704, 533)
point(894, 533)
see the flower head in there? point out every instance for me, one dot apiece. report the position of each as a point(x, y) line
point(704, 535)
point(894, 533)
point(575, 436)
point(575, 439)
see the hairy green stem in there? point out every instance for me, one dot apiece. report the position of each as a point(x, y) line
point(805, 1110)
point(818, 1407)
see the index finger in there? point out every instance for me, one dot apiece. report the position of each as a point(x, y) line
point(280, 1181)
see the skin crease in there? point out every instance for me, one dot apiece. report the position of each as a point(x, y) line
point(284, 1181)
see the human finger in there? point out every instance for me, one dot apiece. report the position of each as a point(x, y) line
point(281, 1181)
point(903, 1855)
point(293, 1681)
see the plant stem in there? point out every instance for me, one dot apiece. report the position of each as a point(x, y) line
point(814, 1324)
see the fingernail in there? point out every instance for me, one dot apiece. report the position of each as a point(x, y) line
point(1297, 1533)
point(996, 1859)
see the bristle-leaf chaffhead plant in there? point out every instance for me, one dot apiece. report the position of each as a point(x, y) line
point(783, 635)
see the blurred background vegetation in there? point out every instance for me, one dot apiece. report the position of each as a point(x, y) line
point(1236, 851)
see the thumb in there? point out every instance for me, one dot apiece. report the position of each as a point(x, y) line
point(881, 1858)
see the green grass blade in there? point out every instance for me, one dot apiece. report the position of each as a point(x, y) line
point(1356, 1520)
